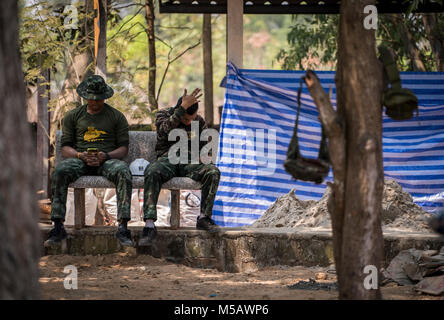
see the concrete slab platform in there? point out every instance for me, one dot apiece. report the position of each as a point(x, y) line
point(232, 249)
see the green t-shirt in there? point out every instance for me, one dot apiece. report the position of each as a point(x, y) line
point(107, 130)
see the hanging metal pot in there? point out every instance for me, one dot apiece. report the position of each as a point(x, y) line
point(400, 103)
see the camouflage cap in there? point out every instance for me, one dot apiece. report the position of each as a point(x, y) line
point(94, 88)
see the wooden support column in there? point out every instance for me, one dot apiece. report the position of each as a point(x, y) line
point(43, 133)
point(235, 25)
point(208, 69)
point(79, 208)
point(175, 209)
point(100, 22)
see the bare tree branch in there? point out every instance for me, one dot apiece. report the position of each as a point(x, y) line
point(130, 5)
point(332, 123)
point(126, 22)
point(170, 61)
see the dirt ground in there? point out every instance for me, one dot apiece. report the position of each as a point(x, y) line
point(126, 276)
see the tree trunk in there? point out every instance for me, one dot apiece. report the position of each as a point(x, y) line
point(19, 233)
point(152, 99)
point(43, 129)
point(359, 90)
point(101, 45)
point(354, 132)
point(436, 38)
point(208, 69)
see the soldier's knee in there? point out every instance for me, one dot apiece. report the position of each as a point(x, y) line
point(152, 171)
point(57, 171)
point(122, 170)
point(213, 172)
point(123, 167)
point(65, 167)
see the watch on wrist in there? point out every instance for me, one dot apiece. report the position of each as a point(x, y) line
point(107, 156)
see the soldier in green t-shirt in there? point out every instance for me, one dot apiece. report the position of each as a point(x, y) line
point(98, 126)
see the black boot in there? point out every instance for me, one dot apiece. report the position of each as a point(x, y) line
point(148, 235)
point(56, 235)
point(124, 235)
point(207, 224)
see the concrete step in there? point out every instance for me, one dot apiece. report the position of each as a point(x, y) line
point(233, 249)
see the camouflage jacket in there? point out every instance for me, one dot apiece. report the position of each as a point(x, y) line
point(170, 119)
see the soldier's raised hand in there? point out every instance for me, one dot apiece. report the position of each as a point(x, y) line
point(189, 100)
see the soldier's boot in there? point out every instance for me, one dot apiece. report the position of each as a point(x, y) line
point(148, 235)
point(124, 236)
point(207, 224)
point(56, 235)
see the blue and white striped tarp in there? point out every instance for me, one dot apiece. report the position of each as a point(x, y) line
point(257, 125)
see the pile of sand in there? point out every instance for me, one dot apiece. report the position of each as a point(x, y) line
point(399, 212)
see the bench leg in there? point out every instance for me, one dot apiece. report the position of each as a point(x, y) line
point(175, 209)
point(79, 208)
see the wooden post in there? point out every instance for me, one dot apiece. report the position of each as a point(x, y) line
point(150, 17)
point(100, 37)
point(208, 69)
point(43, 132)
point(175, 209)
point(235, 12)
point(79, 208)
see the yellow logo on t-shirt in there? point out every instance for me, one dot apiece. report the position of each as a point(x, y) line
point(93, 134)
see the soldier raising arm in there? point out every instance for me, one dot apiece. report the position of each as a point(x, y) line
point(162, 170)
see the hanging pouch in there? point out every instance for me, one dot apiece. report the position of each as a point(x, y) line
point(306, 169)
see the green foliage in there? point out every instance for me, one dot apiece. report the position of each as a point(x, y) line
point(40, 39)
point(312, 41)
point(45, 43)
point(178, 51)
point(127, 63)
point(390, 34)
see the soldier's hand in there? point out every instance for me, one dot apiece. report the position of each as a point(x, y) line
point(189, 100)
point(92, 160)
point(101, 156)
point(83, 156)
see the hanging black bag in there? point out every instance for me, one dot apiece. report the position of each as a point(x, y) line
point(306, 169)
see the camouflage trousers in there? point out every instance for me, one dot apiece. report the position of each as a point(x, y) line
point(160, 171)
point(69, 170)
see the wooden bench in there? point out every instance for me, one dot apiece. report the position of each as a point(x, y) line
point(141, 145)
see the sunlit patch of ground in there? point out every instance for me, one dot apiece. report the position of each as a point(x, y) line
point(125, 276)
